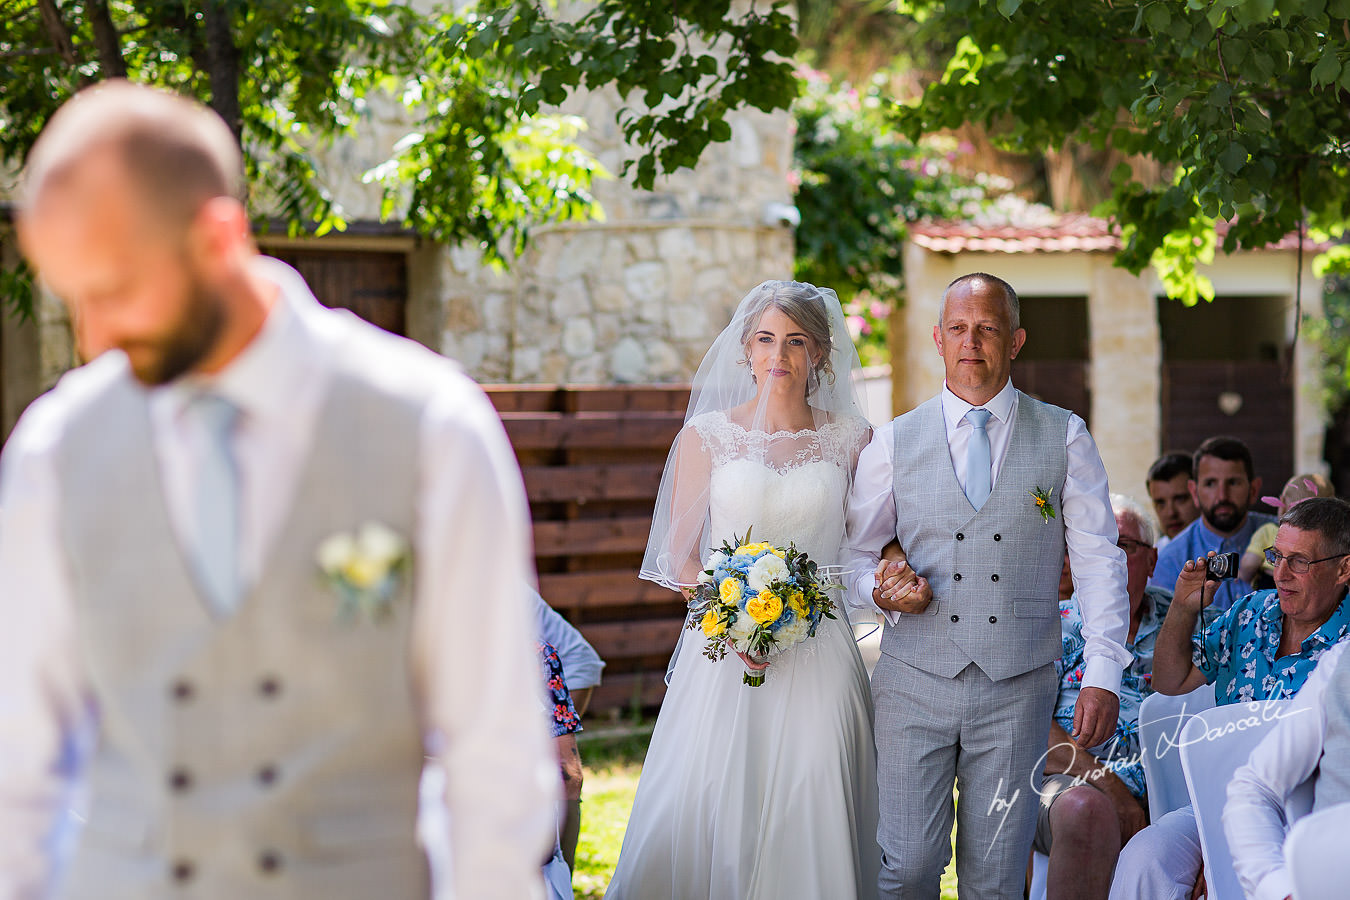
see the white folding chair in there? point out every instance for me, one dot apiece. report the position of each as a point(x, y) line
point(1161, 719)
point(1040, 868)
point(1214, 743)
point(1315, 854)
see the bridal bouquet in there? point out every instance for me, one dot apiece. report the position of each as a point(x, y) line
point(759, 600)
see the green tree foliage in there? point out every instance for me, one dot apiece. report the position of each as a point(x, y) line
point(1243, 101)
point(484, 158)
point(860, 183)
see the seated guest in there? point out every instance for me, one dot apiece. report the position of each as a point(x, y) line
point(1255, 569)
point(1169, 487)
point(1263, 648)
point(564, 724)
point(582, 665)
point(1092, 803)
point(579, 658)
point(1311, 741)
point(1225, 487)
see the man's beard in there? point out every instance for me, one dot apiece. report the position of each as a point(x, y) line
point(1224, 520)
point(197, 333)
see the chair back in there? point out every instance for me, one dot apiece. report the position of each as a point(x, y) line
point(1214, 743)
point(1161, 719)
point(1315, 854)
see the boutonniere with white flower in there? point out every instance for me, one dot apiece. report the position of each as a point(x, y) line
point(364, 568)
point(1043, 504)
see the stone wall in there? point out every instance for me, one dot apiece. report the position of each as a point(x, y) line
point(637, 297)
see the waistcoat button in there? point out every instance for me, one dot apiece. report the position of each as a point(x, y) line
point(269, 687)
point(956, 618)
point(993, 620)
point(180, 780)
point(998, 537)
point(956, 577)
point(269, 861)
point(267, 775)
point(182, 690)
point(960, 536)
point(993, 577)
point(182, 871)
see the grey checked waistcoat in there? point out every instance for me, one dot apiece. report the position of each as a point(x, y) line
point(1332, 784)
point(273, 754)
point(995, 572)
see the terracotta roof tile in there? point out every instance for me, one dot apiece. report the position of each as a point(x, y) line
point(1075, 232)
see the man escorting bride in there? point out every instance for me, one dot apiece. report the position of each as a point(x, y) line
point(984, 487)
point(769, 791)
point(773, 791)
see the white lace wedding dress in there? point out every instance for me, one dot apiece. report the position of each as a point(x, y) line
point(766, 792)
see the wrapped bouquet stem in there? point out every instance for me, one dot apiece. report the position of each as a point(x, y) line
point(759, 600)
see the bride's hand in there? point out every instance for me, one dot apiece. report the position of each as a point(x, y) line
point(751, 662)
point(900, 589)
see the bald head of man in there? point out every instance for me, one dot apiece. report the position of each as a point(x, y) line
point(131, 211)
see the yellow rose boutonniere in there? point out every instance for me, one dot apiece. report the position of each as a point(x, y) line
point(1043, 504)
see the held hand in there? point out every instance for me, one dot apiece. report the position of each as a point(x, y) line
point(751, 662)
point(900, 589)
point(1193, 591)
point(1094, 716)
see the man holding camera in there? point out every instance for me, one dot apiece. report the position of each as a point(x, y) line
point(1263, 648)
point(1224, 487)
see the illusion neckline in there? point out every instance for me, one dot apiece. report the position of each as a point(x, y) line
point(773, 434)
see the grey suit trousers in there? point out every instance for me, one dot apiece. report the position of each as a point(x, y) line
point(986, 737)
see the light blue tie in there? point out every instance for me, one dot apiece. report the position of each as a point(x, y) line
point(217, 504)
point(978, 462)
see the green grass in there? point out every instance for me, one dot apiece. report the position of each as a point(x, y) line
point(613, 761)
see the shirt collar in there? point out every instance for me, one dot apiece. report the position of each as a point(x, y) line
point(1001, 407)
point(1333, 629)
point(259, 380)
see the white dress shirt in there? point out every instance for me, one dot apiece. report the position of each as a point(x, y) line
point(473, 652)
point(1085, 506)
point(1253, 817)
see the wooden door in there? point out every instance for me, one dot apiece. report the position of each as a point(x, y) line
point(372, 284)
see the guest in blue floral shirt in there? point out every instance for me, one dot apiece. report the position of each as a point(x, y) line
point(565, 724)
point(1263, 647)
point(1096, 797)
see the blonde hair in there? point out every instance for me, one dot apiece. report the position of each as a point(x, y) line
point(1301, 487)
point(802, 303)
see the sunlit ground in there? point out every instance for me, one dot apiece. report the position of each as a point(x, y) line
point(612, 770)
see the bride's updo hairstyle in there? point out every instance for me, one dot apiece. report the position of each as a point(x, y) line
point(802, 303)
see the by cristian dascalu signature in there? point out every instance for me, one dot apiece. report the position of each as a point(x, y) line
point(1261, 713)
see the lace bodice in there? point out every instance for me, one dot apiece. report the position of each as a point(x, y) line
point(787, 486)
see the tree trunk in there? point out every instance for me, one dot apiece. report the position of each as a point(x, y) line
point(57, 31)
point(107, 40)
point(222, 64)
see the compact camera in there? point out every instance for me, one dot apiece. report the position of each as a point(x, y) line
point(1221, 566)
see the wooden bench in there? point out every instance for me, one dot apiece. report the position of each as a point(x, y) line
point(592, 459)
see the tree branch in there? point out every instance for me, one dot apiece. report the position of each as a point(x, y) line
point(57, 31)
point(106, 40)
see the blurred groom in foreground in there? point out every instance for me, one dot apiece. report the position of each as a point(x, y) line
point(232, 552)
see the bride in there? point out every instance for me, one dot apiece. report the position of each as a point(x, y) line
point(770, 791)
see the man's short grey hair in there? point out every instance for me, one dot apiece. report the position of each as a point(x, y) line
point(1010, 295)
point(1328, 516)
point(1122, 505)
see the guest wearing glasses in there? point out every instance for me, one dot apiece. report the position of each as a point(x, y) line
point(1263, 648)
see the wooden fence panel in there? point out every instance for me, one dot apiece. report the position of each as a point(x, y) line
point(592, 459)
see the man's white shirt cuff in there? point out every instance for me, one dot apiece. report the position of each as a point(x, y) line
point(1101, 672)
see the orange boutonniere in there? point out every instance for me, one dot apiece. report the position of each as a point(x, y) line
point(1043, 504)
